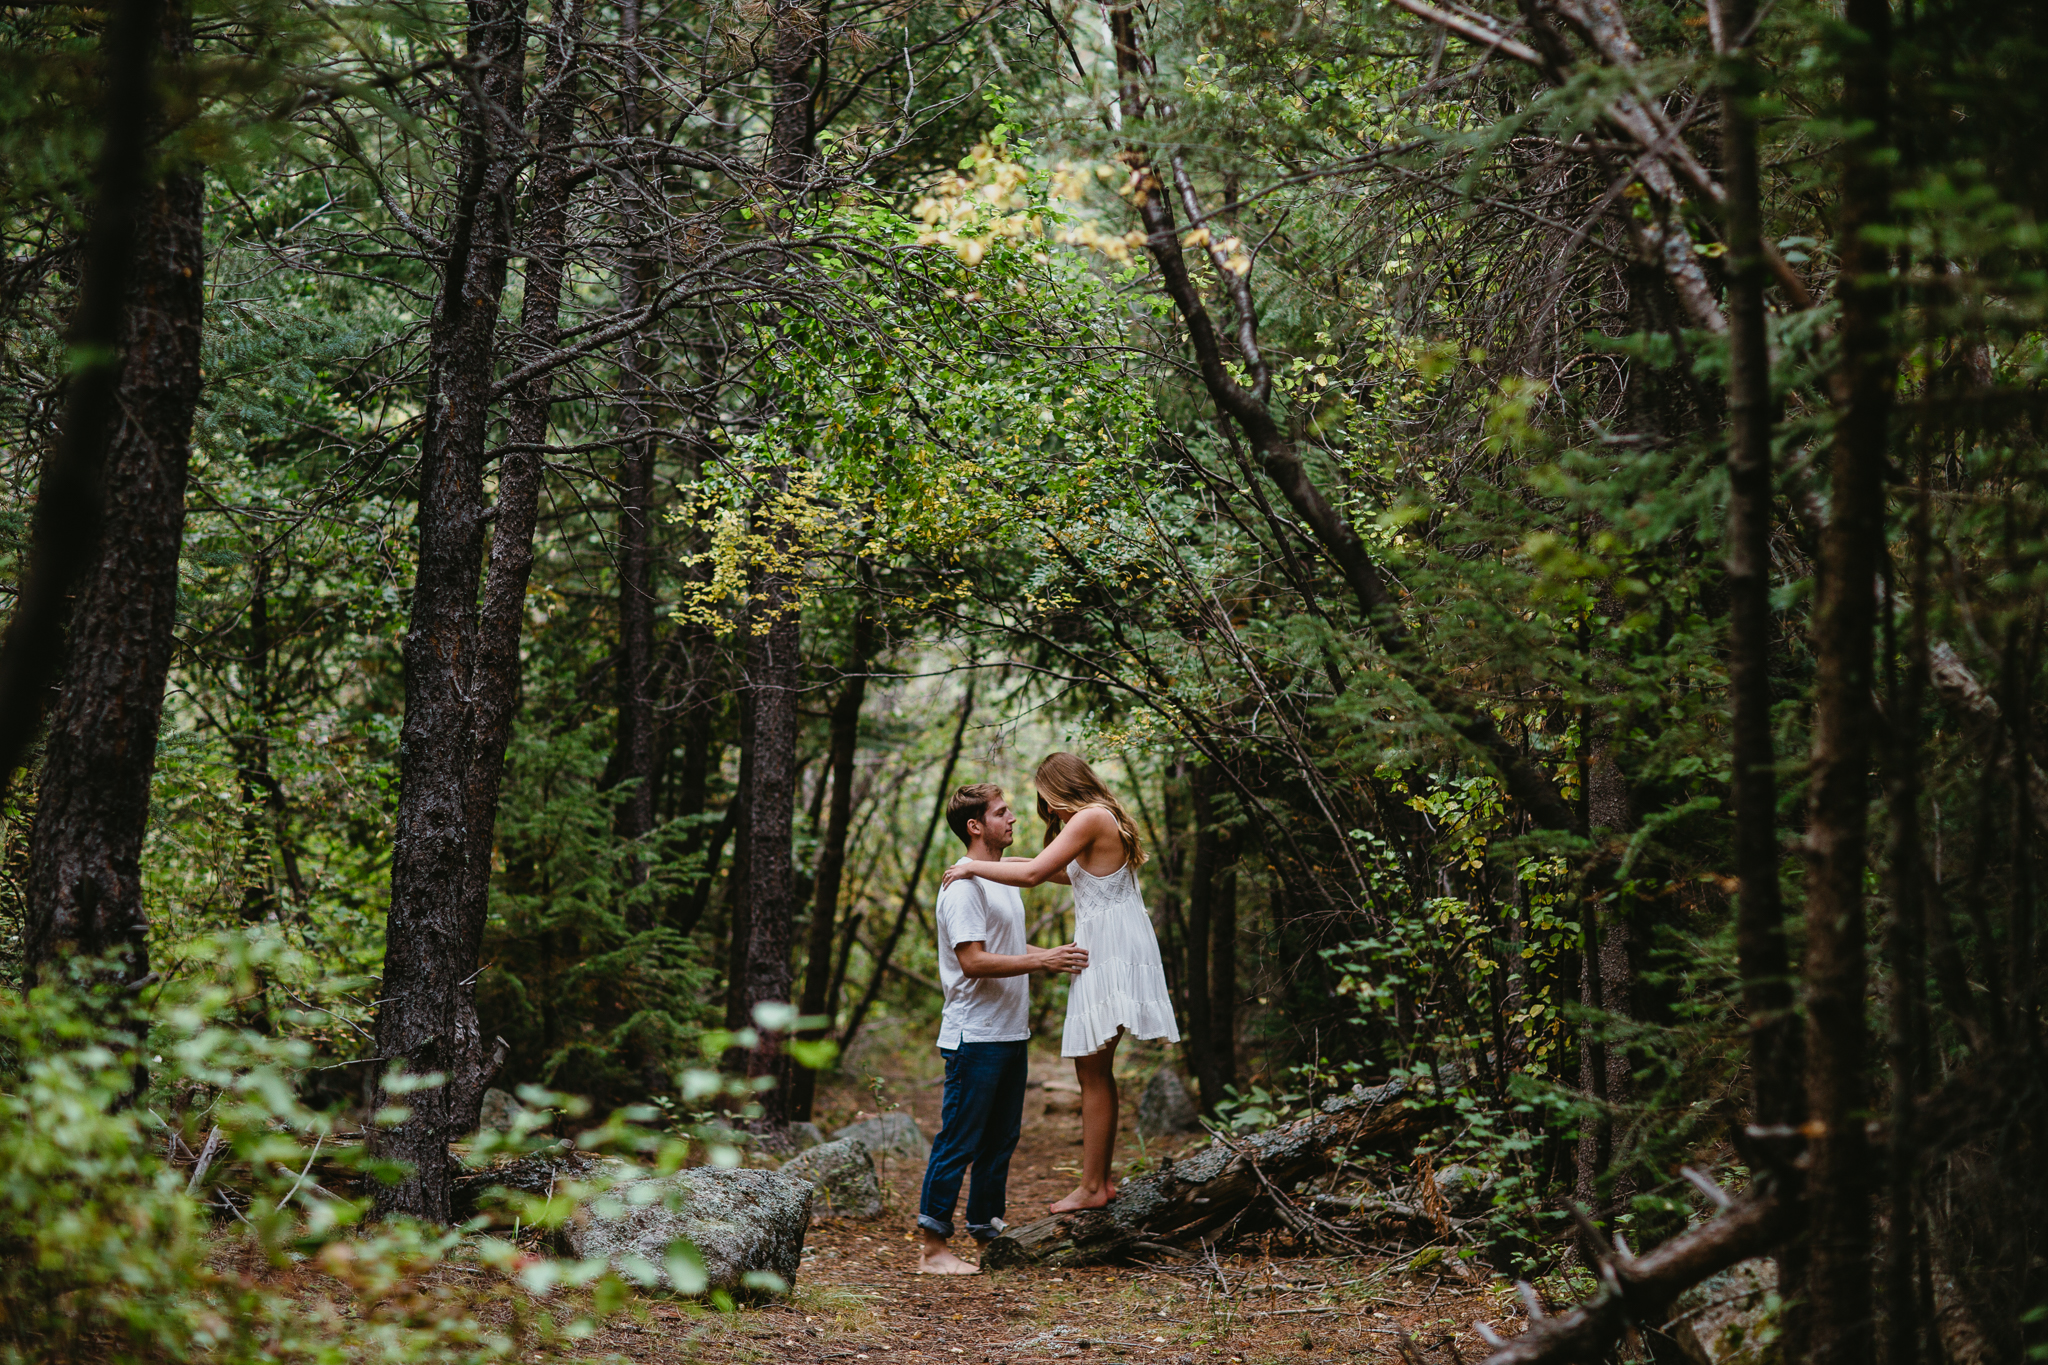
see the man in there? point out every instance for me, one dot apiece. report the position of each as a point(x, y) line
point(984, 1035)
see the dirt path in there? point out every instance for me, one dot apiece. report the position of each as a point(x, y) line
point(859, 1300)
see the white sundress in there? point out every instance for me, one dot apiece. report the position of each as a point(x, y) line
point(1123, 986)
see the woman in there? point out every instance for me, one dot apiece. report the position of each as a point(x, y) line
point(1094, 848)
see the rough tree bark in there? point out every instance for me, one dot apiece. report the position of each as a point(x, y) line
point(92, 801)
point(845, 739)
point(431, 945)
point(1752, 413)
point(772, 677)
point(1838, 1182)
point(495, 682)
point(1906, 946)
point(1763, 958)
point(65, 536)
point(773, 663)
point(633, 762)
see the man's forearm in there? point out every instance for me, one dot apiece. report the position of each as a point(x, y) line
point(1005, 964)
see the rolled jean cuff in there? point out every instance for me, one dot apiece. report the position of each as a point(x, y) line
point(933, 1225)
point(986, 1232)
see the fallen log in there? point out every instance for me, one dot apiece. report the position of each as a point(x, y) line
point(536, 1173)
point(1191, 1199)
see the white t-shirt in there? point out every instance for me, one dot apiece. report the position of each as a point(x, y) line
point(982, 1009)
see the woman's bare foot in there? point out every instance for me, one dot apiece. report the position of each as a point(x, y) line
point(937, 1258)
point(1085, 1198)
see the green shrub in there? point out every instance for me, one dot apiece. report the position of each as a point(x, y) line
point(110, 1250)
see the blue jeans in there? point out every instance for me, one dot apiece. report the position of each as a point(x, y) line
point(984, 1108)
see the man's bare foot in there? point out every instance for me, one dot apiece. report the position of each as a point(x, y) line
point(1085, 1198)
point(940, 1260)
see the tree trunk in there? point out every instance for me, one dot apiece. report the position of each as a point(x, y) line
point(1838, 1183)
point(1906, 946)
point(739, 898)
point(252, 748)
point(92, 803)
point(692, 706)
point(797, 33)
point(496, 680)
point(772, 646)
point(1212, 945)
point(772, 678)
point(845, 740)
point(1596, 1131)
point(431, 937)
point(1200, 1046)
point(635, 681)
point(1752, 412)
point(1223, 963)
point(1761, 953)
point(71, 510)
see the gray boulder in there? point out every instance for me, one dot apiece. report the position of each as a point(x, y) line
point(806, 1136)
point(1728, 1319)
point(1166, 1106)
point(746, 1228)
point(1464, 1189)
point(892, 1134)
point(500, 1106)
point(843, 1176)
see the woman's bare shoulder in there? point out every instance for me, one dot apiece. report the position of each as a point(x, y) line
point(1101, 835)
point(1093, 820)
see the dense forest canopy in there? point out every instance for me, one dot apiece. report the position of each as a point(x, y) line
point(515, 517)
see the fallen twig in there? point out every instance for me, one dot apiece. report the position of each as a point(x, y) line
point(318, 1139)
point(205, 1159)
point(1305, 1222)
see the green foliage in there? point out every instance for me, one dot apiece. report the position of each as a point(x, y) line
point(591, 989)
point(110, 1250)
point(108, 1255)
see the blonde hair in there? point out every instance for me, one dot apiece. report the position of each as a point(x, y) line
point(1066, 785)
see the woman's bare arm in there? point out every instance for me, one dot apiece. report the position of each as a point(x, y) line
point(1059, 877)
point(1076, 839)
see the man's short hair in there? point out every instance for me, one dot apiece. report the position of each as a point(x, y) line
point(970, 803)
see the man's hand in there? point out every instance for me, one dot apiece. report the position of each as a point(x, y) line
point(1065, 958)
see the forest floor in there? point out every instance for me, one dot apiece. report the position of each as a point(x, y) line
point(859, 1299)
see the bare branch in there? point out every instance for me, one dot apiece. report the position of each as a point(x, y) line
point(1472, 31)
point(1640, 1290)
